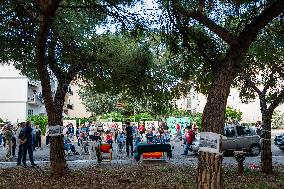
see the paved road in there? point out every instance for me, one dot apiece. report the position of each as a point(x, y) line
point(76, 161)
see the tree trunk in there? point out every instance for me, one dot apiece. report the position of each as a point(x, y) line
point(210, 165)
point(57, 154)
point(54, 112)
point(209, 170)
point(266, 153)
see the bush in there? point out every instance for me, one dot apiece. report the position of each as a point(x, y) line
point(197, 118)
point(233, 114)
point(1, 120)
point(39, 120)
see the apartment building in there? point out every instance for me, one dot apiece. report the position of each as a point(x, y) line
point(195, 102)
point(19, 95)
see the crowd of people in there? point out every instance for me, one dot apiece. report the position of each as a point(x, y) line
point(25, 136)
point(77, 139)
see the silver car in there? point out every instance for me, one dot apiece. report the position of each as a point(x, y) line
point(236, 138)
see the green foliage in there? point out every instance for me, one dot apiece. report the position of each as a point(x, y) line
point(277, 120)
point(82, 120)
point(114, 116)
point(233, 114)
point(40, 120)
point(179, 113)
point(141, 117)
point(1, 120)
point(197, 118)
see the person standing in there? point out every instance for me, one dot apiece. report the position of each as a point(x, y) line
point(38, 136)
point(33, 137)
point(28, 144)
point(129, 138)
point(47, 136)
point(21, 143)
point(8, 136)
point(1, 134)
point(189, 137)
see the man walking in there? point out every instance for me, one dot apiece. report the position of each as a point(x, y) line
point(28, 144)
point(129, 138)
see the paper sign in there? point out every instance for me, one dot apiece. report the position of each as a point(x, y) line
point(210, 142)
point(55, 130)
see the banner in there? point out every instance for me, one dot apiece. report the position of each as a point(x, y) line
point(173, 121)
point(69, 122)
point(209, 142)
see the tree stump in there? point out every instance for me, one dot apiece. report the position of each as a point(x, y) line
point(240, 157)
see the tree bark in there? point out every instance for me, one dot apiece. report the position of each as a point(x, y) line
point(209, 174)
point(210, 164)
point(54, 111)
point(266, 153)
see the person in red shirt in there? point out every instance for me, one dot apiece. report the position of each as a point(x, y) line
point(108, 138)
point(178, 129)
point(189, 137)
point(141, 128)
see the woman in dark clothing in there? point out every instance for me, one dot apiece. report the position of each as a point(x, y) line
point(38, 137)
point(129, 138)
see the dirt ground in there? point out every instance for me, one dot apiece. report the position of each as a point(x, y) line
point(142, 176)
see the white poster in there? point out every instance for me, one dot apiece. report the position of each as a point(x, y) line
point(210, 142)
point(55, 130)
point(150, 124)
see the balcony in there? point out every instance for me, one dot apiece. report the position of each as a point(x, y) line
point(68, 107)
point(32, 100)
point(33, 84)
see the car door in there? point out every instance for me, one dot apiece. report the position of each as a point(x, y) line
point(244, 139)
point(229, 139)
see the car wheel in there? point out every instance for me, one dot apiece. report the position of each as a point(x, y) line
point(254, 150)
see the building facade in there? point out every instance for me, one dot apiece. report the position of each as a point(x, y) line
point(73, 104)
point(19, 96)
point(195, 102)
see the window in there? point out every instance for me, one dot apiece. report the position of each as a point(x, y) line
point(241, 130)
point(30, 112)
point(229, 132)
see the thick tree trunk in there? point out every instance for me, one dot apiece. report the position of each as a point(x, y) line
point(209, 170)
point(54, 112)
point(266, 153)
point(210, 165)
point(57, 154)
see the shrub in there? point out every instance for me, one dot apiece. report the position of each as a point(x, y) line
point(39, 120)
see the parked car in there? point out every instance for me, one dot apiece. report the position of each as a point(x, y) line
point(236, 138)
point(279, 141)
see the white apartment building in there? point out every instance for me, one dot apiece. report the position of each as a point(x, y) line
point(19, 96)
point(195, 102)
